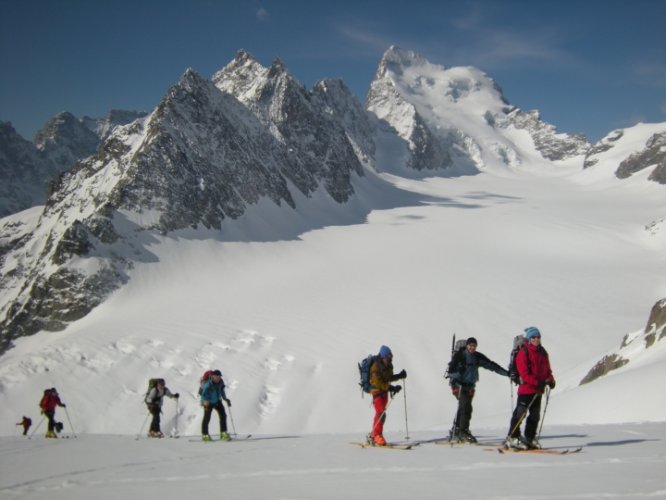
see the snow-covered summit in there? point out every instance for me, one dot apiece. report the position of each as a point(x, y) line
point(459, 116)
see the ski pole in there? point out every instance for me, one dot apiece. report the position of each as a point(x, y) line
point(404, 393)
point(142, 426)
point(38, 426)
point(70, 422)
point(231, 417)
point(382, 416)
point(522, 417)
point(543, 417)
point(175, 433)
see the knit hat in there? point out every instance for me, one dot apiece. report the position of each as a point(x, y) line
point(472, 340)
point(217, 372)
point(532, 331)
point(385, 351)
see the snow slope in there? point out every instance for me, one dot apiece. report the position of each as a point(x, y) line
point(287, 320)
point(619, 462)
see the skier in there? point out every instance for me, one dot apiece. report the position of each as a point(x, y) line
point(50, 400)
point(533, 367)
point(381, 375)
point(25, 422)
point(463, 372)
point(154, 400)
point(212, 395)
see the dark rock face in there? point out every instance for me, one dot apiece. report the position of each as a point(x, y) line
point(654, 154)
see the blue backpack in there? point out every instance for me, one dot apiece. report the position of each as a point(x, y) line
point(364, 371)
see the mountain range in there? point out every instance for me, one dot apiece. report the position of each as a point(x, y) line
point(216, 151)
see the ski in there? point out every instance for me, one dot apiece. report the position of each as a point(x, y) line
point(388, 446)
point(452, 444)
point(543, 451)
point(214, 440)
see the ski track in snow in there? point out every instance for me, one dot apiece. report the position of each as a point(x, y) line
point(318, 466)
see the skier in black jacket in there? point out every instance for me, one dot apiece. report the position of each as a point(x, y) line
point(463, 372)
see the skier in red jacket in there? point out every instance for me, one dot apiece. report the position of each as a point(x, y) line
point(48, 404)
point(534, 370)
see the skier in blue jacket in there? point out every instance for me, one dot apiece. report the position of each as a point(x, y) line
point(212, 395)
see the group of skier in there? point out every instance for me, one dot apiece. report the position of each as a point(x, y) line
point(534, 374)
point(211, 394)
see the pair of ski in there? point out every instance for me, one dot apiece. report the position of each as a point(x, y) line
point(537, 451)
point(503, 450)
point(236, 438)
point(500, 449)
point(387, 446)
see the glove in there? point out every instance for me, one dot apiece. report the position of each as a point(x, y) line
point(176, 396)
point(228, 402)
point(206, 404)
point(394, 389)
point(551, 384)
point(64, 405)
point(542, 385)
point(401, 375)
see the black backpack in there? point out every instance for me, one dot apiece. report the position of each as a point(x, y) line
point(457, 363)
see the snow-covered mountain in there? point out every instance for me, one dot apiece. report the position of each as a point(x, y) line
point(27, 168)
point(318, 147)
point(630, 151)
point(65, 139)
point(459, 116)
point(25, 173)
point(282, 233)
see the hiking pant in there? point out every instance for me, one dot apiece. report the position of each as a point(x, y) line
point(208, 411)
point(379, 401)
point(155, 411)
point(532, 420)
point(50, 414)
point(464, 415)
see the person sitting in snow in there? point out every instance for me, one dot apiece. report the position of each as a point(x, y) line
point(154, 400)
point(463, 373)
point(50, 400)
point(212, 395)
point(381, 376)
point(535, 374)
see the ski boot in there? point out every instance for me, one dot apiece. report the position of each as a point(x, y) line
point(532, 444)
point(467, 437)
point(224, 436)
point(516, 443)
point(206, 438)
point(378, 440)
point(51, 435)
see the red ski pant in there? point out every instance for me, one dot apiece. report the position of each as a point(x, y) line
point(379, 401)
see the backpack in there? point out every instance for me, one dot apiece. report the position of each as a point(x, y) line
point(152, 383)
point(204, 378)
point(518, 344)
point(456, 364)
point(364, 372)
point(44, 401)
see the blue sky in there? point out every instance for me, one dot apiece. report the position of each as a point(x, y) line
point(589, 66)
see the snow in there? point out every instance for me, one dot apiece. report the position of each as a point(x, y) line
point(623, 462)
point(287, 301)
